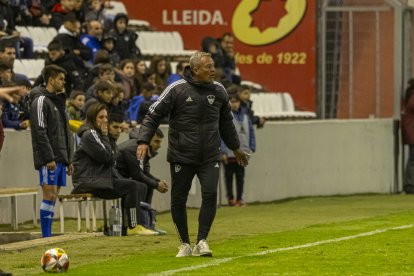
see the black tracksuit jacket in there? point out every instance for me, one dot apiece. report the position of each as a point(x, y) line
point(200, 116)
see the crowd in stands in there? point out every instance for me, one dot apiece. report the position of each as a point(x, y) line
point(100, 56)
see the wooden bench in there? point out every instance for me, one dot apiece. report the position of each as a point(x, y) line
point(13, 193)
point(79, 198)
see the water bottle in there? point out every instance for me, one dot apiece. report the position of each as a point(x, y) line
point(115, 221)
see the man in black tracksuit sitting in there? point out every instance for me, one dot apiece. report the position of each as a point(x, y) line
point(200, 115)
point(129, 166)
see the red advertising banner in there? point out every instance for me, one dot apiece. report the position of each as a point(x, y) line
point(275, 40)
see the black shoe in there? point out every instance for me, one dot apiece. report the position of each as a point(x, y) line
point(408, 189)
point(2, 273)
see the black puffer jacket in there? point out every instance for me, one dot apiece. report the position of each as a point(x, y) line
point(92, 163)
point(129, 167)
point(51, 137)
point(200, 116)
point(125, 44)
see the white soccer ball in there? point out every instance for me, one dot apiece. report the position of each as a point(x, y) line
point(55, 260)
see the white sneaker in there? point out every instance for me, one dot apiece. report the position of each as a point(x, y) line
point(184, 250)
point(202, 249)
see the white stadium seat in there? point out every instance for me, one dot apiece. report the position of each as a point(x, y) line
point(276, 106)
point(162, 43)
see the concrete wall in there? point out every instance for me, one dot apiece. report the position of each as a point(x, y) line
point(293, 159)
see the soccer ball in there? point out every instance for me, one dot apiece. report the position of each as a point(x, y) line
point(55, 260)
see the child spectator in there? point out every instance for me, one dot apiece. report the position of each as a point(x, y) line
point(140, 72)
point(108, 44)
point(244, 92)
point(162, 71)
point(103, 94)
point(59, 10)
point(75, 105)
point(5, 74)
point(150, 97)
point(179, 72)
point(11, 113)
point(94, 10)
point(105, 73)
point(127, 74)
point(59, 57)
point(124, 39)
point(147, 92)
point(247, 139)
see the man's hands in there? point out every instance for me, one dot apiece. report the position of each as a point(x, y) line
point(142, 151)
point(162, 186)
point(6, 92)
point(51, 165)
point(69, 170)
point(241, 157)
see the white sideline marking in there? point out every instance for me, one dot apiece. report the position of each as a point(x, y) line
point(226, 260)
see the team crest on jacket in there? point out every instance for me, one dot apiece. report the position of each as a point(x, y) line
point(210, 99)
point(177, 168)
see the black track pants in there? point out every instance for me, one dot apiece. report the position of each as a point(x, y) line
point(131, 192)
point(182, 177)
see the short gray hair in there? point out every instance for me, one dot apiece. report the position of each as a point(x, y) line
point(195, 59)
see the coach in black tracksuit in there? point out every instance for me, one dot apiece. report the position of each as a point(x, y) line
point(200, 116)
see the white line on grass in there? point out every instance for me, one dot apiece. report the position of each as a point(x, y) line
point(312, 244)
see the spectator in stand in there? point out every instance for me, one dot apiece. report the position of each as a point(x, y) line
point(147, 92)
point(75, 105)
point(78, 10)
point(68, 35)
point(94, 10)
point(127, 74)
point(125, 44)
point(25, 100)
point(141, 71)
point(92, 39)
point(108, 44)
point(117, 103)
point(179, 72)
point(229, 62)
point(59, 10)
point(129, 167)
point(6, 74)
point(245, 131)
point(103, 94)
point(106, 73)
point(407, 125)
point(211, 45)
point(11, 113)
point(162, 71)
point(58, 56)
point(150, 98)
point(244, 92)
point(102, 57)
point(35, 12)
point(8, 56)
point(9, 33)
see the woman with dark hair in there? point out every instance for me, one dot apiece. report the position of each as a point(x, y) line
point(162, 70)
point(94, 169)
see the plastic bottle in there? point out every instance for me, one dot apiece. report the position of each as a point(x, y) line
point(115, 221)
